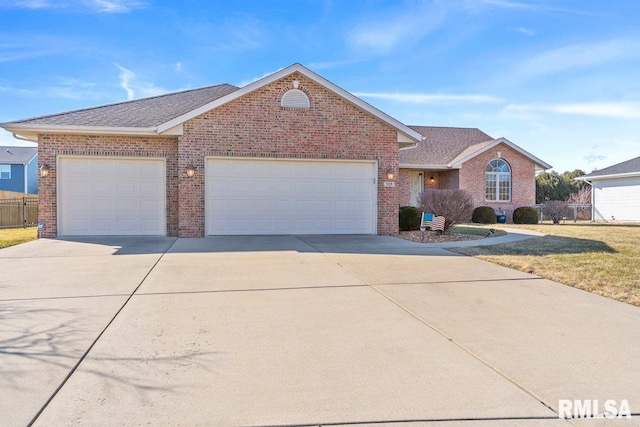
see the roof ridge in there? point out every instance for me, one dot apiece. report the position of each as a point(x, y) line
point(129, 101)
point(444, 127)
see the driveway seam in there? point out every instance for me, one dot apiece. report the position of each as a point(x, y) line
point(441, 333)
point(462, 347)
point(84, 355)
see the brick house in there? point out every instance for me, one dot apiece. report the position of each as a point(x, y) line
point(291, 153)
point(496, 172)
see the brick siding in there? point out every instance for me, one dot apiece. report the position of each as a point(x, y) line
point(52, 146)
point(251, 126)
point(256, 126)
point(523, 186)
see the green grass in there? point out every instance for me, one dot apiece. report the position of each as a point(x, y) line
point(602, 259)
point(15, 236)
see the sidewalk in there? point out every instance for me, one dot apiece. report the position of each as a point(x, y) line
point(513, 235)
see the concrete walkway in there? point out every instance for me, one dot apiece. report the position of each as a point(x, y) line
point(299, 330)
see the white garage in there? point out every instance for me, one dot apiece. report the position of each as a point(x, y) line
point(111, 196)
point(290, 196)
point(616, 199)
point(615, 191)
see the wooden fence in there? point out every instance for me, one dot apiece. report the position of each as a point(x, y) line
point(18, 209)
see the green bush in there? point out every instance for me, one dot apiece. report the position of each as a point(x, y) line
point(484, 215)
point(409, 218)
point(525, 215)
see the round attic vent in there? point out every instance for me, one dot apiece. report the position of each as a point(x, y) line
point(295, 98)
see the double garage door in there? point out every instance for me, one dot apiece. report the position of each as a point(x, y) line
point(117, 196)
point(267, 196)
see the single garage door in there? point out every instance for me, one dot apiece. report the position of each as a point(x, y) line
point(103, 196)
point(268, 196)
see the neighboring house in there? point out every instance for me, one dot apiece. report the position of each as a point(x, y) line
point(291, 153)
point(615, 192)
point(496, 172)
point(19, 169)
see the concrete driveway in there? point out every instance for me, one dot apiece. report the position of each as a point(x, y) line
point(299, 330)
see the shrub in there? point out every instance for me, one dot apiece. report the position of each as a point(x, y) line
point(525, 215)
point(484, 215)
point(555, 210)
point(456, 206)
point(409, 218)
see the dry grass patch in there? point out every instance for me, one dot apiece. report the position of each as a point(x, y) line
point(15, 236)
point(602, 259)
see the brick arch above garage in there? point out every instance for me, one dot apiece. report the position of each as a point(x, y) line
point(255, 125)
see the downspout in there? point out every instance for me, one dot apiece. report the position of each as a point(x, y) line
point(26, 175)
point(21, 138)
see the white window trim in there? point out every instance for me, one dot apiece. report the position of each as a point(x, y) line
point(498, 176)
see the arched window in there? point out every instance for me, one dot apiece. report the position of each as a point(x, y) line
point(497, 181)
point(295, 98)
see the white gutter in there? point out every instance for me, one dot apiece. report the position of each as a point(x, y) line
point(610, 176)
point(79, 130)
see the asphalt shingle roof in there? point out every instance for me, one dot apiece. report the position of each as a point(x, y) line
point(630, 166)
point(17, 155)
point(443, 145)
point(142, 113)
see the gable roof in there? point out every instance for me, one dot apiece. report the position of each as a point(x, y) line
point(449, 147)
point(166, 113)
point(627, 168)
point(141, 115)
point(440, 145)
point(17, 155)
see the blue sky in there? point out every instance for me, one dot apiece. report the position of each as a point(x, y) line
point(560, 78)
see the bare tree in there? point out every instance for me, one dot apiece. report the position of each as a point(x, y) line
point(581, 197)
point(456, 206)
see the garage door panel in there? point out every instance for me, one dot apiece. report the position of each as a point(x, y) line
point(103, 168)
point(100, 207)
point(289, 196)
point(109, 196)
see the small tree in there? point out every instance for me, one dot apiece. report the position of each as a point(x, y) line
point(555, 210)
point(456, 206)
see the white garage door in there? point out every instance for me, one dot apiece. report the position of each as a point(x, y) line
point(617, 198)
point(111, 196)
point(266, 196)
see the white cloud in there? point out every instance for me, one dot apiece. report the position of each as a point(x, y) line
point(255, 79)
point(532, 6)
point(576, 56)
point(100, 6)
point(526, 31)
point(113, 6)
point(130, 83)
point(125, 81)
point(619, 110)
point(178, 66)
point(423, 98)
point(384, 33)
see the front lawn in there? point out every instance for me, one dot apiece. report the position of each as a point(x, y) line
point(15, 236)
point(602, 259)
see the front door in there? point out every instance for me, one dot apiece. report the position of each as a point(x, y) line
point(417, 186)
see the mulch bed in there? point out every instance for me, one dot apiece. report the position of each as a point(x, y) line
point(436, 237)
